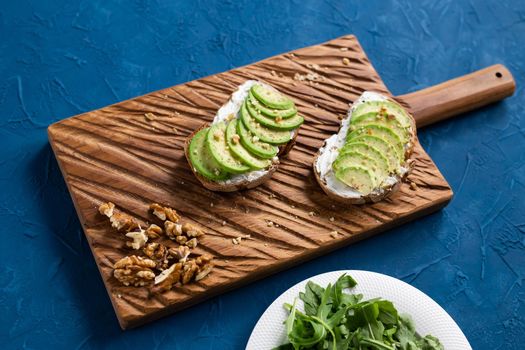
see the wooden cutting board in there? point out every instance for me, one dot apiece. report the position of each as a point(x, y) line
point(117, 154)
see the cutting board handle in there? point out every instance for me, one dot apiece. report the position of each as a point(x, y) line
point(460, 95)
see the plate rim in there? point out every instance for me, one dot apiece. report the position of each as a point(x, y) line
point(428, 299)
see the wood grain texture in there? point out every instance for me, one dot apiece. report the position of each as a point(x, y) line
point(460, 95)
point(116, 154)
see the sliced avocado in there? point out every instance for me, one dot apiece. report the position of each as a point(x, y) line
point(385, 107)
point(234, 142)
point(202, 160)
point(382, 132)
point(382, 163)
point(259, 148)
point(382, 119)
point(386, 149)
point(274, 123)
point(216, 142)
point(271, 97)
point(275, 137)
point(353, 158)
point(270, 112)
point(357, 177)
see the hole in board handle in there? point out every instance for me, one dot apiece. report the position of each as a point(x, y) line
point(498, 75)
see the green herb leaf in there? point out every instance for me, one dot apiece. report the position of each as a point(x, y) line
point(334, 320)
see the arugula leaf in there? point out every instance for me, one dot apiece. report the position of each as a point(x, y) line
point(343, 282)
point(334, 320)
point(387, 312)
point(311, 297)
point(430, 343)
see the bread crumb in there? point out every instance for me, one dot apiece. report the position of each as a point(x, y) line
point(269, 223)
point(346, 61)
point(334, 234)
point(238, 240)
point(311, 213)
point(413, 186)
point(332, 219)
point(224, 223)
point(150, 116)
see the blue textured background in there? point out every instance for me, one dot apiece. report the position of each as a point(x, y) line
point(60, 59)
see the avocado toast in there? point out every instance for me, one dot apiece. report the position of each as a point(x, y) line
point(370, 156)
point(241, 148)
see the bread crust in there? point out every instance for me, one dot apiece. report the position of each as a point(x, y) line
point(224, 186)
point(387, 191)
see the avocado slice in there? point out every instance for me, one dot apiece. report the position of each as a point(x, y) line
point(218, 147)
point(382, 119)
point(234, 142)
point(275, 137)
point(386, 149)
point(385, 107)
point(381, 164)
point(357, 177)
point(382, 132)
point(274, 123)
point(271, 97)
point(354, 158)
point(259, 148)
point(201, 159)
point(270, 112)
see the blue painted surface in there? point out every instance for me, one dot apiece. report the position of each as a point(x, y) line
point(61, 59)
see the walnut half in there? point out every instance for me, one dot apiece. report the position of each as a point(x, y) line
point(106, 209)
point(154, 231)
point(159, 253)
point(123, 222)
point(191, 230)
point(164, 213)
point(167, 278)
point(139, 239)
point(134, 270)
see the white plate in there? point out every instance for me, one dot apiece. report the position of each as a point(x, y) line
point(428, 316)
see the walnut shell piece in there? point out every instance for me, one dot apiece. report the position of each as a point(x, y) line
point(164, 213)
point(134, 270)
